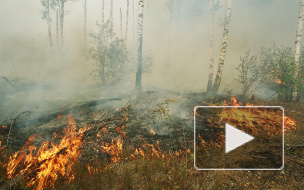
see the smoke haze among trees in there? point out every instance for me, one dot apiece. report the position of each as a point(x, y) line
point(176, 36)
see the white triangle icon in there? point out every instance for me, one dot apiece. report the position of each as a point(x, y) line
point(235, 138)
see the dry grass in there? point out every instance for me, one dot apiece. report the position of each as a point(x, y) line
point(177, 172)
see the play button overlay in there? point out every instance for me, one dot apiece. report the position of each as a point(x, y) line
point(238, 138)
point(235, 138)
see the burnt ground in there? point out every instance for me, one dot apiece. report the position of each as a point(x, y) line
point(131, 118)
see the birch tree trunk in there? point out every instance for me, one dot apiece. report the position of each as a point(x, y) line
point(127, 21)
point(211, 62)
point(140, 44)
point(61, 19)
point(121, 34)
point(219, 73)
point(298, 48)
point(57, 29)
point(111, 13)
point(85, 23)
point(49, 24)
point(103, 78)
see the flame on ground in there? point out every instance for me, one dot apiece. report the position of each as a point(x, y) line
point(256, 119)
point(47, 164)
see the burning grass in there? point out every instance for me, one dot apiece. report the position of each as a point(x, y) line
point(42, 167)
point(102, 156)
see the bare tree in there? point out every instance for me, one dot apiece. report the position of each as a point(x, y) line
point(111, 12)
point(121, 34)
point(127, 20)
point(46, 4)
point(57, 29)
point(85, 23)
point(61, 19)
point(140, 44)
point(213, 7)
point(219, 73)
point(298, 47)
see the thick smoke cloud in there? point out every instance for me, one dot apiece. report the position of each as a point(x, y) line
point(179, 43)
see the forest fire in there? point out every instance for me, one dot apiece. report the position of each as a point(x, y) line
point(256, 120)
point(47, 164)
point(113, 149)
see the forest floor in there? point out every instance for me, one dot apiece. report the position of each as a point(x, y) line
point(142, 141)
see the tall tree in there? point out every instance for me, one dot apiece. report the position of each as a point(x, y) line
point(57, 29)
point(85, 23)
point(127, 20)
point(298, 47)
point(103, 58)
point(61, 19)
point(210, 78)
point(121, 34)
point(111, 12)
point(140, 44)
point(219, 73)
point(46, 4)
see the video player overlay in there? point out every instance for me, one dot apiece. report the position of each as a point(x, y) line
point(238, 138)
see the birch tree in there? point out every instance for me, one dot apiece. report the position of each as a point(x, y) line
point(46, 4)
point(61, 19)
point(298, 47)
point(85, 23)
point(140, 44)
point(219, 73)
point(121, 34)
point(111, 12)
point(127, 21)
point(57, 29)
point(211, 46)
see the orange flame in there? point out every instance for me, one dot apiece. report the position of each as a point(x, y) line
point(113, 149)
point(256, 119)
point(152, 131)
point(44, 167)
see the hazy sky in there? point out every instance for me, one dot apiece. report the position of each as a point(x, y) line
point(180, 44)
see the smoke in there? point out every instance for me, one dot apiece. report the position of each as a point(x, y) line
point(179, 43)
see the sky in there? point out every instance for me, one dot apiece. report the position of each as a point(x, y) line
point(179, 44)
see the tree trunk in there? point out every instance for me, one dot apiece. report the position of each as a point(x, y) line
point(140, 44)
point(127, 20)
point(49, 24)
point(61, 19)
point(121, 34)
point(103, 78)
point(133, 23)
point(219, 73)
point(211, 62)
point(298, 48)
point(111, 13)
point(57, 29)
point(102, 13)
point(85, 23)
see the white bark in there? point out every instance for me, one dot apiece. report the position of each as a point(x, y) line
point(85, 23)
point(298, 47)
point(111, 13)
point(127, 20)
point(121, 34)
point(219, 73)
point(49, 24)
point(140, 43)
point(57, 29)
point(211, 62)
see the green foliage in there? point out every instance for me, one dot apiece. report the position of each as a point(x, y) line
point(112, 60)
point(249, 72)
point(278, 71)
point(109, 53)
point(162, 110)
